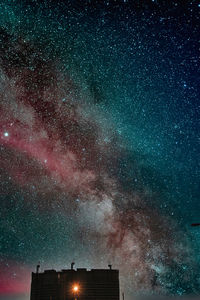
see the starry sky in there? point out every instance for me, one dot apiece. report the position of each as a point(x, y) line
point(99, 142)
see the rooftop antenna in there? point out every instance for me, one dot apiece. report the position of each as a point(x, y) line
point(123, 296)
point(38, 268)
point(110, 267)
point(72, 265)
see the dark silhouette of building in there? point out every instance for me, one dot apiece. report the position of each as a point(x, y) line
point(79, 284)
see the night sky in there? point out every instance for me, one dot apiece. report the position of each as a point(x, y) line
point(99, 142)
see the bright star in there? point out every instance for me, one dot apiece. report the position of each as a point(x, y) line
point(6, 134)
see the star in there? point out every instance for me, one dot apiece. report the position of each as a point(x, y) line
point(6, 134)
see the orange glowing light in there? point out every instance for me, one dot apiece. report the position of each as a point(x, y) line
point(75, 288)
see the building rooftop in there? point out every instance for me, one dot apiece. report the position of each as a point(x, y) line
point(94, 284)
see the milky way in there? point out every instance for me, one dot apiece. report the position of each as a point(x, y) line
point(99, 142)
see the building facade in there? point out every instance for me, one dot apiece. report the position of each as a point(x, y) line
point(79, 284)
